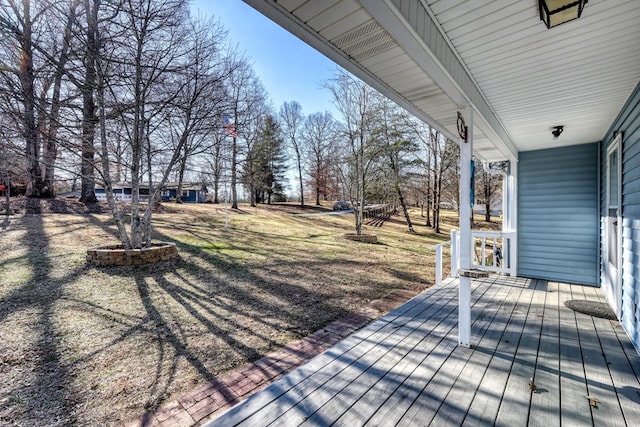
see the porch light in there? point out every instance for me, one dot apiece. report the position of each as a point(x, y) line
point(557, 130)
point(556, 12)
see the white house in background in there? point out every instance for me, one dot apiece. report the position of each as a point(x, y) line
point(572, 202)
point(191, 192)
point(496, 207)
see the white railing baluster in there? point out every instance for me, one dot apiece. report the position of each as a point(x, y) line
point(454, 254)
point(438, 264)
point(499, 243)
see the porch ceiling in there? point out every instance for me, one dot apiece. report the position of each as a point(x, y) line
point(436, 56)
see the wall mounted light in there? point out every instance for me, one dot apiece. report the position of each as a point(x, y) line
point(556, 12)
point(557, 130)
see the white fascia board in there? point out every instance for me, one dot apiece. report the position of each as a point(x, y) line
point(291, 23)
point(388, 16)
point(394, 22)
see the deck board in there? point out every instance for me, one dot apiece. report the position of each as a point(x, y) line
point(599, 383)
point(573, 384)
point(545, 399)
point(514, 408)
point(406, 368)
point(455, 405)
point(428, 403)
point(367, 366)
point(484, 408)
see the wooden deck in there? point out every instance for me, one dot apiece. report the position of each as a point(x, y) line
point(406, 368)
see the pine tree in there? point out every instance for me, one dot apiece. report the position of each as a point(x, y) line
point(269, 163)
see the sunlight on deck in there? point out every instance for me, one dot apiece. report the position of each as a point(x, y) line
point(533, 361)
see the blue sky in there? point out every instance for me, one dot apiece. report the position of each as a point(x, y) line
point(289, 69)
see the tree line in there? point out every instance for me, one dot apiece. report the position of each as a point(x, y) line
point(97, 92)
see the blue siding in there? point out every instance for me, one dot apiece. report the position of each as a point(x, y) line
point(628, 121)
point(558, 214)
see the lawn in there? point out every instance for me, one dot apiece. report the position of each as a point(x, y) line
point(100, 346)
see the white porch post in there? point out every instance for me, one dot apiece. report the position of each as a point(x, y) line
point(464, 297)
point(512, 217)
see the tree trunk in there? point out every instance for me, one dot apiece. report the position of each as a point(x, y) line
point(27, 83)
point(234, 173)
point(181, 168)
point(487, 196)
point(111, 200)
point(396, 175)
point(405, 210)
point(51, 146)
point(88, 185)
point(428, 201)
point(436, 204)
point(300, 177)
point(7, 195)
point(217, 171)
point(87, 191)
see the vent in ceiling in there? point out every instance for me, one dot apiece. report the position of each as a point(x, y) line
point(365, 41)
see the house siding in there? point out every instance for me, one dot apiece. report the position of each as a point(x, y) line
point(628, 121)
point(558, 214)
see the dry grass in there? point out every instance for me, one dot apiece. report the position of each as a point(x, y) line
point(99, 346)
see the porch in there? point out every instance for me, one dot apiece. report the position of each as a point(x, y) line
point(532, 361)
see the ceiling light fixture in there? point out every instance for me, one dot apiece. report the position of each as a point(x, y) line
point(556, 12)
point(557, 130)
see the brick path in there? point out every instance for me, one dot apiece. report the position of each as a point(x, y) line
point(211, 399)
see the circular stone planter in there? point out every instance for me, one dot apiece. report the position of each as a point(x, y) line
point(118, 255)
point(364, 238)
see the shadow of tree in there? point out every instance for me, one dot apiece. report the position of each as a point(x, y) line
point(36, 387)
point(110, 343)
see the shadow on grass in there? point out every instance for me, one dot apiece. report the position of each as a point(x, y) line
point(36, 390)
point(206, 313)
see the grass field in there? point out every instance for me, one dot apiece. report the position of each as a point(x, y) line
point(99, 346)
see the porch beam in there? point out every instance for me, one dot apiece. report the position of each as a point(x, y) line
point(464, 295)
point(412, 24)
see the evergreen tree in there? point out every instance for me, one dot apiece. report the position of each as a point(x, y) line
point(269, 163)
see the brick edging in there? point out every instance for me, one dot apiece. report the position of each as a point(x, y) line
point(214, 397)
point(211, 399)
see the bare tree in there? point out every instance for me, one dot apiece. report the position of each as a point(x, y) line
point(246, 105)
point(291, 119)
point(145, 75)
point(19, 20)
point(488, 184)
point(87, 89)
point(59, 55)
point(318, 142)
point(359, 106)
point(200, 97)
point(395, 132)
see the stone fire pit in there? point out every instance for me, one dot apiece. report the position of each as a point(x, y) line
point(117, 255)
point(363, 238)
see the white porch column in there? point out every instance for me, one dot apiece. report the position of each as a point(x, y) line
point(512, 218)
point(464, 297)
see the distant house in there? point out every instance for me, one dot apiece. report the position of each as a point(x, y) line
point(191, 192)
point(496, 207)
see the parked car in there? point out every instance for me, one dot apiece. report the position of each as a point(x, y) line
point(341, 205)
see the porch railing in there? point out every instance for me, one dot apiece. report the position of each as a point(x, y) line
point(491, 252)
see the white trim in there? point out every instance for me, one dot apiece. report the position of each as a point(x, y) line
point(464, 297)
point(392, 20)
point(512, 217)
point(613, 291)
